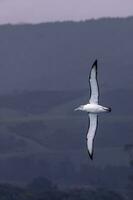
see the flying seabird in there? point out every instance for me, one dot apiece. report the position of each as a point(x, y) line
point(93, 109)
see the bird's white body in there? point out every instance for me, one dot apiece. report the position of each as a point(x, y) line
point(93, 108)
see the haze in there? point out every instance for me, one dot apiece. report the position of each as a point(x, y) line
point(35, 11)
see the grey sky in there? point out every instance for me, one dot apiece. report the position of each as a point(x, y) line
point(19, 11)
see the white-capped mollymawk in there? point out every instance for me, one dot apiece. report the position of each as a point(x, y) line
point(93, 109)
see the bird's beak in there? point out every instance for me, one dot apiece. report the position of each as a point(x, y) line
point(79, 108)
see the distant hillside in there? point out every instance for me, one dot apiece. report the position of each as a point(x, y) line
point(44, 72)
point(41, 135)
point(58, 56)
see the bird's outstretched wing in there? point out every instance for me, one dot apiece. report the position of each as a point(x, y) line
point(91, 133)
point(94, 84)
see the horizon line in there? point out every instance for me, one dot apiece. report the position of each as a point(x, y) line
point(66, 21)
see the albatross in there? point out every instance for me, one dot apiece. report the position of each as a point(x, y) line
point(93, 109)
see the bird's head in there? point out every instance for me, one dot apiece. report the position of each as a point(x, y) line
point(80, 108)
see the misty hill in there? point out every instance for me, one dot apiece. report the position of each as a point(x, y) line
point(43, 71)
point(58, 56)
point(37, 139)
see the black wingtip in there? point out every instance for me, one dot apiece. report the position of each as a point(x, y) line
point(90, 155)
point(94, 66)
point(95, 63)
